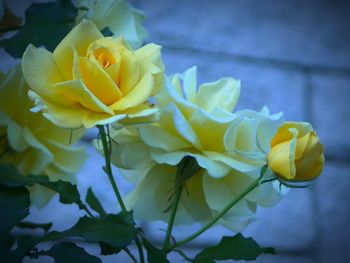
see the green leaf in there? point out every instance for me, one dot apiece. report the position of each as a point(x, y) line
point(46, 24)
point(154, 255)
point(68, 252)
point(25, 244)
point(14, 204)
point(263, 170)
point(187, 168)
point(108, 250)
point(235, 248)
point(94, 203)
point(68, 192)
point(107, 32)
point(31, 225)
point(11, 177)
point(112, 229)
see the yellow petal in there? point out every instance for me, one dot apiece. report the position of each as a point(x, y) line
point(216, 128)
point(40, 72)
point(150, 53)
point(190, 84)
point(92, 119)
point(138, 95)
point(223, 93)
point(66, 158)
point(79, 38)
point(65, 117)
point(129, 72)
point(306, 164)
point(76, 91)
point(280, 161)
point(142, 113)
point(113, 72)
point(301, 145)
point(194, 201)
point(150, 198)
point(150, 61)
point(284, 134)
point(157, 137)
point(98, 81)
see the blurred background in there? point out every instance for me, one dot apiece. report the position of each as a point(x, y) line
point(293, 56)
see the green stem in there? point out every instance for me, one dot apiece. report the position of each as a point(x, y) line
point(87, 211)
point(107, 167)
point(172, 218)
point(127, 251)
point(219, 215)
point(140, 249)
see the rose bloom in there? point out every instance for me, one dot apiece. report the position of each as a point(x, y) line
point(230, 148)
point(296, 152)
point(92, 80)
point(118, 15)
point(32, 143)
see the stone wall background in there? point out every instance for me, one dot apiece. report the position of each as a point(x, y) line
point(290, 55)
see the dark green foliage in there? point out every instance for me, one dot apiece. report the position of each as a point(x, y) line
point(94, 203)
point(68, 192)
point(154, 255)
point(68, 252)
point(14, 204)
point(46, 24)
point(111, 229)
point(235, 248)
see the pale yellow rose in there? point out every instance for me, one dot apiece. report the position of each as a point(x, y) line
point(32, 143)
point(296, 152)
point(230, 148)
point(118, 15)
point(92, 80)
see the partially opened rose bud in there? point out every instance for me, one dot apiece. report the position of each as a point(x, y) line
point(296, 152)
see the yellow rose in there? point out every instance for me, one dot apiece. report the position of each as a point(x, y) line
point(118, 15)
point(296, 152)
point(92, 80)
point(32, 143)
point(229, 147)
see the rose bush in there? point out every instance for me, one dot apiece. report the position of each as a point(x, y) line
point(90, 79)
point(32, 143)
point(230, 148)
point(296, 152)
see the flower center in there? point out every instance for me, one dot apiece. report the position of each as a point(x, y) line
point(104, 57)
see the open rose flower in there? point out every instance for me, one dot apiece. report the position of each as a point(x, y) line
point(296, 152)
point(92, 80)
point(229, 147)
point(32, 143)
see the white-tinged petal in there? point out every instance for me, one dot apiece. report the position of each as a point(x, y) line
point(150, 198)
point(157, 137)
point(223, 93)
point(182, 126)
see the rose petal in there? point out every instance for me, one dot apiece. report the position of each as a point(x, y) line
point(223, 93)
point(79, 38)
point(138, 95)
point(41, 72)
point(77, 91)
point(129, 72)
point(145, 200)
point(97, 81)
